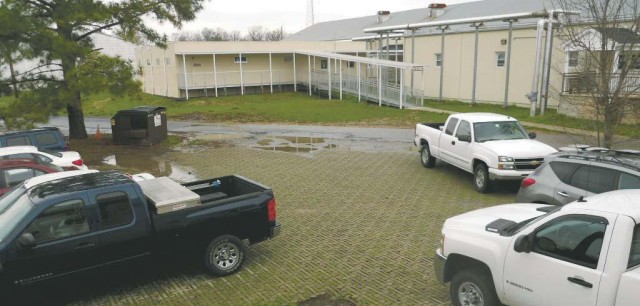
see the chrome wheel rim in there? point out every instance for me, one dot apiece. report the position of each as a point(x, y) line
point(480, 179)
point(424, 155)
point(470, 294)
point(225, 256)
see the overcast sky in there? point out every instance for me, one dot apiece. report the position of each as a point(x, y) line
point(290, 14)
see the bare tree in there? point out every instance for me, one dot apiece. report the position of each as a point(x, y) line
point(604, 55)
point(233, 36)
point(214, 34)
point(275, 35)
point(256, 33)
point(186, 36)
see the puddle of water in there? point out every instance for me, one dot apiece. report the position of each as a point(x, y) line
point(288, 149)
point(182, 175)
point(303, 140)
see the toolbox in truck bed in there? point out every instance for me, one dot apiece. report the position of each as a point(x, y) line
point(167, 195)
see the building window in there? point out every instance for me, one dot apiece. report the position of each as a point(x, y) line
point(288, 58)
point(438, 59)
point(323, 64)
point(197, 65)
point(167, 61)
point(352, 64)
point(573, 58)
point(240, 59)
point(158, 61)
point(148, 61)
point(500, 59)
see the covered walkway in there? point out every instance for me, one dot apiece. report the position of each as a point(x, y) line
point(323, 73)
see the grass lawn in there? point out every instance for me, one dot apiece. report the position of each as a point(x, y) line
point(551, 117)
point(281, 107)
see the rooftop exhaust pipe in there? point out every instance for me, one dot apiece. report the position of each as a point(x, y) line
point(383, 16)
point(436, 9)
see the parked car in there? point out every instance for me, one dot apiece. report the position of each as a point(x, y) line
point(16, 171)
point(583, 253)
point(68, 160)
point(48, 138)
point(567, 176)
point(58, 224)
point(491, 146)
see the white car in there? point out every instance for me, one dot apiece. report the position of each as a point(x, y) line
point(68, 160)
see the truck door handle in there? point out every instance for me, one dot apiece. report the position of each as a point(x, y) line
point(85, 245)
point(453, 143)
point(580, 282)
point(563, 194)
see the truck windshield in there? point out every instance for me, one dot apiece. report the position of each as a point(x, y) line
point(504, 130)
point(13, 207)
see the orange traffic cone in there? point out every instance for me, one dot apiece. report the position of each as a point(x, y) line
point(98, 133)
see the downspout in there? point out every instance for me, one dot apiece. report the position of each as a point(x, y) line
point(547, 68)
point(533, 95)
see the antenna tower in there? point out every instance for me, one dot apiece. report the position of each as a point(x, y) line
point(310, 13)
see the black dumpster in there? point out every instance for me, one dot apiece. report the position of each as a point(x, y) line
point(142, 125)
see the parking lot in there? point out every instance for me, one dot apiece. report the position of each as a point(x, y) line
point(360, 225)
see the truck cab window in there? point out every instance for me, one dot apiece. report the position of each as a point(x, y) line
point(59, 221)
point(576, 239)
point(115, 209)
point(451, 126)
point(464, 129)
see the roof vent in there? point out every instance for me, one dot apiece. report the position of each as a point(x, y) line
point(383, 16)
point(436, 9)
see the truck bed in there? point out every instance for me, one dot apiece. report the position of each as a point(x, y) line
point(218, 196)
point(436, 126)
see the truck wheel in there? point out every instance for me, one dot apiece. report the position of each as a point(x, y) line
point(473, 287)
point(481, 178)
point(224, 255)
point(426, 159)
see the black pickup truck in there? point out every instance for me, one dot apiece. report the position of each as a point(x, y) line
point(61, 223)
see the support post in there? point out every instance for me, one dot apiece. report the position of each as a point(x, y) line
point(329, 73)
point(475, 64)
point(270, 73)
point(309, 75)
point(387, 52)
point(215, 75)
point(186, 82)
point(295, 74)
point(441, 95)
point(402, 87)
point(241, 77)
point(508, 66)
point(359, 83)
point(340, 79)
point(379, 85)
point(422, 82)
point(380, 47)
point(413, 55)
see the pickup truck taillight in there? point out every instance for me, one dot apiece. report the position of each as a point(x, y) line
point(271, 210)
point(78, 162)
point(527, 182)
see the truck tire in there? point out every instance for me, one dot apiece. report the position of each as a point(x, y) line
point(224, 255)
point(473, 287)
point(481, 178)
point(426, 159)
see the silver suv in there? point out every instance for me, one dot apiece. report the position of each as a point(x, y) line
point(566, 176)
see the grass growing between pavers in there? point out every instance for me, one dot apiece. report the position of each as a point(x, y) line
point(551, 116)
point(356, 226)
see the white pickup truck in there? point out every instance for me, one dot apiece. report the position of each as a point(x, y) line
point(491, 146)
point(583, 253)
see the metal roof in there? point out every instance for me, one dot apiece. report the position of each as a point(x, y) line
point(354, 28)
point(360, 59)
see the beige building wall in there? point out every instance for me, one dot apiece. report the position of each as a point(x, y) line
point(490, 86)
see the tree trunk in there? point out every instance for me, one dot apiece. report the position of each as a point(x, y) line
point(14, 82)
point(612, 118)
point(77, 129)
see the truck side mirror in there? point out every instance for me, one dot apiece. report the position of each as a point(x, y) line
point(27, 241)
point(533, 135)
point(524, 244)
point(464, 138)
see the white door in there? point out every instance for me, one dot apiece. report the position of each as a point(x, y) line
point(461, 150)
point(447, 141)
point(565, 265)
